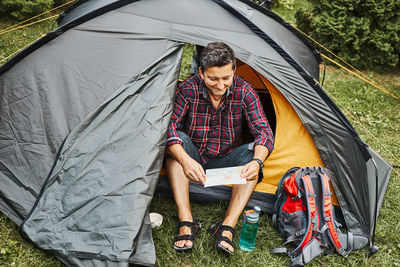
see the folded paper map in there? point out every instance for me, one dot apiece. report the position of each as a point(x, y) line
point(224, 176)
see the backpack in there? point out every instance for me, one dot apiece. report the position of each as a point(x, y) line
point(305, 217)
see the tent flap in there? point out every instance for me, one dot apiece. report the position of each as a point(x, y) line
point(99, 191)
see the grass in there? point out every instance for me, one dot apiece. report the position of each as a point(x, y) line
point(13, 41)
point(14, 251)
point(376, 118)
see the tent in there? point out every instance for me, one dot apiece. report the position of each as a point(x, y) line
point(84, 112)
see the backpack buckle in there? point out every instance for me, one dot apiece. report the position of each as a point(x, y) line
point(295, 198)
point(343, 252)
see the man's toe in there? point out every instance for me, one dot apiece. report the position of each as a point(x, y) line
point(189, 243)
point(183, 243)
point(227, 246)
point(180, 244)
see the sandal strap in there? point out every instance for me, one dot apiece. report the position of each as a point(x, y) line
point(194, 226)
point(223, 227)
point(184, 237)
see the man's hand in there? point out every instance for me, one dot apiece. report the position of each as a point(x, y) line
point(250, 170)
point(194, 171)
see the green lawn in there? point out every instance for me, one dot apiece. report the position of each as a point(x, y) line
point(375, 116)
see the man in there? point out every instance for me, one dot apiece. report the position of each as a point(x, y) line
point(204, 132)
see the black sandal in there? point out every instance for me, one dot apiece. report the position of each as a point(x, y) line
point(194, 226)
point(217, 230)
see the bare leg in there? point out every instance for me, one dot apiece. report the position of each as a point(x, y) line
point(180, 189)
point(240, 195)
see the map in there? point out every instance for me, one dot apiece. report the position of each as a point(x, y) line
point(224, 176)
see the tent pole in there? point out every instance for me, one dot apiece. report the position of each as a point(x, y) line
point(261, 80)
point(323, 76)
point(372, 248)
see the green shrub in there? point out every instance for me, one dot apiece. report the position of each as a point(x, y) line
point(365, 33)
point(23, 9)
point(285, 4)
point(60, 2)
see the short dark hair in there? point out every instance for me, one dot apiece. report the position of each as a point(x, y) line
point(217, 54)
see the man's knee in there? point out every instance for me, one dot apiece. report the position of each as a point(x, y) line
point(249, 186)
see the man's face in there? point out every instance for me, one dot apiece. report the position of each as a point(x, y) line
point(218, 79)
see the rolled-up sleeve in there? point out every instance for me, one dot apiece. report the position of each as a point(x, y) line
point(257, 120)
point(178, 114)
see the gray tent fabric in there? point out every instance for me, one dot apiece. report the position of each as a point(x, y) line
point(99, 191)
point(104, 81)
point(377, 184)
point(273, 26)
point(46, 95)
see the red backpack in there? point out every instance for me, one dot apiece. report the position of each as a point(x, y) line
point(305, 217)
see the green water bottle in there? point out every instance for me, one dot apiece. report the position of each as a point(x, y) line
point(249, 229)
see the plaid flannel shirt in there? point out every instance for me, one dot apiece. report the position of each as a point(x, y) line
point(216, 131)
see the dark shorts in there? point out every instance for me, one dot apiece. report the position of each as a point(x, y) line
point(238, 157)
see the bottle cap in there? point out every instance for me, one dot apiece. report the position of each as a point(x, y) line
point(252, 217)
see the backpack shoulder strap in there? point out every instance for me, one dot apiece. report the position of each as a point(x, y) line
point(309, 194)
point(328, 213)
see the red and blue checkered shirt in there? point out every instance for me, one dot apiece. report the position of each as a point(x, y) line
point(216, 132)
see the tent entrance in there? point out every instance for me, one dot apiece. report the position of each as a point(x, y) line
point(255, 79)
point(293, 146)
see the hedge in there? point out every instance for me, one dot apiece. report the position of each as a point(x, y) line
point(365, 33)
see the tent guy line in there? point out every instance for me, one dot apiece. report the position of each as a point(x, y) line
point(29, 24)
point(362, 78)
point(14, 27)
point(360, 74)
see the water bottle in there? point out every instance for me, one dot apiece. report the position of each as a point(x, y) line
point(249, 229)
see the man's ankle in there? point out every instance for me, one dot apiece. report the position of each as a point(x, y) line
point(229, 222)
point(185, 217)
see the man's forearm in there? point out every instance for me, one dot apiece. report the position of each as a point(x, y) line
point(261, 152)
point(178, 153)
point(251, 169)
